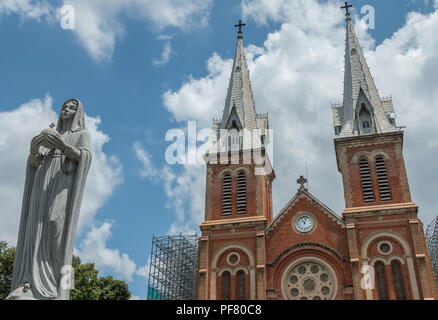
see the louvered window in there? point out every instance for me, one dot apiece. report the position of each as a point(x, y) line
point(241, 193)
point(226, 195)
point(381, 281)
point(226, 286)
point(398, 280)
point(382, 177)
point(367, 185)
point(240, 285)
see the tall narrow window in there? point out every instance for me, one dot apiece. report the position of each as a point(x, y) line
point(365, 120)
point(240, 285)
point(382, 177)
point(241, 193)
point(226, 195)
point(367, 185)
point(381, 281)
point(398, 280)
point(226, 286)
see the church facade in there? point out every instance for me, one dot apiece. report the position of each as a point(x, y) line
point(374, 250)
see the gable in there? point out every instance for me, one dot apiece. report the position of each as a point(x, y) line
point(317, 205)
point(234, 117)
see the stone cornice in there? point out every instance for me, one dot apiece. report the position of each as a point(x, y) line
point(370, 139)
point(233, 221)
point(372, 210)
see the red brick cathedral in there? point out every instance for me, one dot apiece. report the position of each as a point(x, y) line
point(375, 251)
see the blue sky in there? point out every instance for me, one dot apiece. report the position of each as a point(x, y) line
point(124, 85)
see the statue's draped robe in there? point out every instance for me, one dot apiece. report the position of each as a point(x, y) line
point(50, 211)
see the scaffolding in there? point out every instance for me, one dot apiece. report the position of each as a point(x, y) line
point(173, 268)
point(432, 245)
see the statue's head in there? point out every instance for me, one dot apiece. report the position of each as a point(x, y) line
point(73, 112)
point(69, 109)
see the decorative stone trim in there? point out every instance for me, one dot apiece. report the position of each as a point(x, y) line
point(225, 270)
point(304, 244)
point(229, 258)
point(241, 169)
point(384, 243)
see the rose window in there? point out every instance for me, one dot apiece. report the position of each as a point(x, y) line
point(310, 281)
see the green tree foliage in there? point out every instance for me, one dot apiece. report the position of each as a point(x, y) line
point(7, 255)
point(112, 289)
point(87, 286)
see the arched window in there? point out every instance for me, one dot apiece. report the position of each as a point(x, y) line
point(226, 195)
point(398, 280)
point(226, 285)
point(367, 185)
point(240, 285)
point(365, 125)
point(381, 280)
point(382, 177)
point(241, 193)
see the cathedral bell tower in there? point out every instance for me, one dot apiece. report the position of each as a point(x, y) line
point(238, 204)
point(385, 236)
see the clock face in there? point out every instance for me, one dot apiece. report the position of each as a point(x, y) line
point(304, 224)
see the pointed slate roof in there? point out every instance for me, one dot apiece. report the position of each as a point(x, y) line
point(240, 94)
point(359, 88)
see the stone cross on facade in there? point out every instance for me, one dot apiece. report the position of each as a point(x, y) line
point(240, 25)
point(301, 181)
point(346, 7)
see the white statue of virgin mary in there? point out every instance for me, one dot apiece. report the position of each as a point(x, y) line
point(55, 180)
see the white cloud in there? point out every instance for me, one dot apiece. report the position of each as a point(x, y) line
point(184, 187)
point(199, 99)
point(165, 55)
point(148, 169)
point(98, 23)
point(93, 248)
point(26, 9)
point(299, 71)
point(143, 271)
point(104, 176)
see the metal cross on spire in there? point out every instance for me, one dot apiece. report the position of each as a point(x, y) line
point(302, 181)
point(240, 25)
point(346, 7)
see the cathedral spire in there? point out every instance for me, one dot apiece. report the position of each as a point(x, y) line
point(363, 111)
point(239, 111)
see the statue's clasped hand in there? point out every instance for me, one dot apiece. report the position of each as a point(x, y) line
point(36, 143)
point(57, 141)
